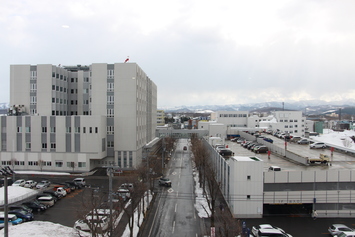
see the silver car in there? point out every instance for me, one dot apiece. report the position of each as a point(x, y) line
point(336, 229)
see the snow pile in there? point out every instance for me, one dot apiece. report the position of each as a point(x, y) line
point(16, 193)
point(42, 229)
point(338, 139)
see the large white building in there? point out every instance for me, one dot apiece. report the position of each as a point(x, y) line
point(76, 118)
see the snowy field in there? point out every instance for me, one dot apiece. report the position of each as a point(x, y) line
point(48, 229)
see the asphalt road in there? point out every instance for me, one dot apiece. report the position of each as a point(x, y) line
point(174, 213)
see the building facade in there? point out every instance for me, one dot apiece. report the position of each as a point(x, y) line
point(77, 118)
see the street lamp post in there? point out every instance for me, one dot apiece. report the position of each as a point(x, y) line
point(6, 172)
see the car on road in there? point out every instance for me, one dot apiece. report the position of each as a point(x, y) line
point(317, 145)
point(346, 234)
point(25, 216)
point(165, 182)
point(30, 184)
point(268, 230)
point(94, 223)
point(19, 182)
point(35, 205)
point(267, 139)
point(43, 184)
point(303, 141)
point(336, 229)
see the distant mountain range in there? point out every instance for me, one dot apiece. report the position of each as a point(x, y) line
point(310, 107)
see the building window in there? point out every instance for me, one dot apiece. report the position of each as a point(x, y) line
point(248, 196)
point(28, 145)
point(110, 99)
point(68, 129)
point(110, 144)
point(77, 129)
point(110, 86)
point(81, 164)
point(84, 129)
point(110, 74)
point(59, 164)
point(33, 100)
point(44, 129)
point(110, 130)
point(28, 129)
point(19, 129)
point(281, 120)
point(44, 145)
point(33, 87)
point(110, 112)
point(90, 130)
point(96, 129)
point(248, 177)
point(53, 145)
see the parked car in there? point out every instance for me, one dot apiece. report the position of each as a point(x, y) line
point(303, 141)
point(61, 191)
point(13, 219)
point(165, 181)
point(53, 193)
point(185, 148)
point(19, 182)
point(93, 223)
point(268, 230)
point(72, 185)
point(30, 184)
point(317, 145)
point(46, 200)
point(123, 194)
point(35, 205)
point(80, 181)
point(66, 188)
point(47, 194)
point(25, 216)
point(43, 184)
point(295, 139)
point(268, 140)
point(20, 207)
point(261, 149)
point(336, 229)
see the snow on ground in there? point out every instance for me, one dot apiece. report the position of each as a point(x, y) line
point(40, 172)
point(42, 229)
point(338, 139)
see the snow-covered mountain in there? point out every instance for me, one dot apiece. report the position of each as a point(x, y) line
point(309, 106)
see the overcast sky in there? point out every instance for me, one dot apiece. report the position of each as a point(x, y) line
point(198, 52)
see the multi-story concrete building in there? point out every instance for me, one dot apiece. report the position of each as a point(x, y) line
point(78, 117)
point(160, 118)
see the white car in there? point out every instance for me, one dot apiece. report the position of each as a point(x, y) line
point(318, 145)
point(95, 223)
point(19, 182)
point(30, 184)
point(346, 234)
point(336, 229)
point(256, 230)
point(61, 191)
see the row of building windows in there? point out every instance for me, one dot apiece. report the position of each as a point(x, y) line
point(68, 129)
point(233, 115)
point(43, 163)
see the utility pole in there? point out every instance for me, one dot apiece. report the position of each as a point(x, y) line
point(6, 172)
point(110, 171)
point(163, 157)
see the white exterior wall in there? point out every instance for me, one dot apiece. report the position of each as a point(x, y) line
point(235, 118)
point(135, 110)
point(285, 117)
point(20, 89)
point(246, 178)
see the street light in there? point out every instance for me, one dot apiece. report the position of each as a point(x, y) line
point(6, 172)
